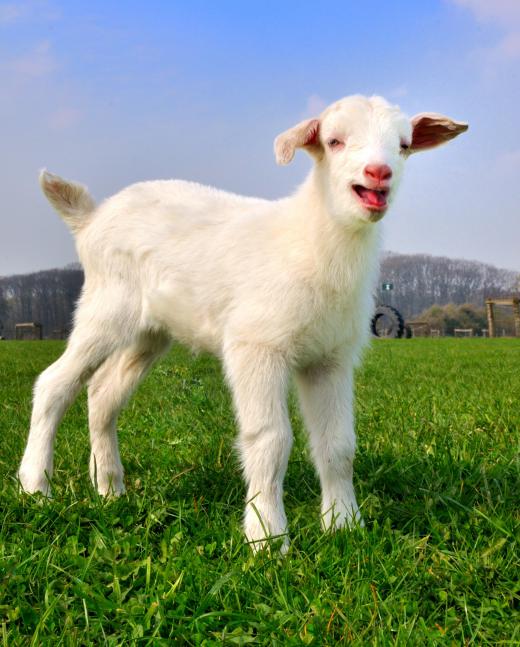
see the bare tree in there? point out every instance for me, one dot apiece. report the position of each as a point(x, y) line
point(420, 281)
point(47, 297)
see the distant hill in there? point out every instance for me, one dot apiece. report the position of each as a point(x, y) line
point(48, 297)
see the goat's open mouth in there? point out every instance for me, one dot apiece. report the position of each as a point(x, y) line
point(372, 199)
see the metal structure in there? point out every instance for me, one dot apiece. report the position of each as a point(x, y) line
point(513, 302)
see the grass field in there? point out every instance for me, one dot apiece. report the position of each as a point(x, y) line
point(437, 475)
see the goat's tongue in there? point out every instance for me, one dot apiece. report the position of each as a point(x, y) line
point(371, 197)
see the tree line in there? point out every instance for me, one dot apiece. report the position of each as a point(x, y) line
point(419, 282)
point(46, 297)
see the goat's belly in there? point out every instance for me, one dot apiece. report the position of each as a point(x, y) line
point(175, 311)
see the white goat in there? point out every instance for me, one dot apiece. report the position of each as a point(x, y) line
point(271, 287)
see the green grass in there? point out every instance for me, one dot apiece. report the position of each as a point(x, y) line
point(437, 474)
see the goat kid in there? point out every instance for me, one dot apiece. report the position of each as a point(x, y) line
point(271, 287)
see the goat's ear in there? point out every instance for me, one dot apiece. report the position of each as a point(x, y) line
point(306, 135)
point(430, 129)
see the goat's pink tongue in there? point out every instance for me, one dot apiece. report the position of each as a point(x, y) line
point(372, 197)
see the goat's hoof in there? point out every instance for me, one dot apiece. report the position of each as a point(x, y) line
point(111, 491)
point(271, 545)
point(350, 519)
point(260, 539)
point(34, 485)
point(108, 483)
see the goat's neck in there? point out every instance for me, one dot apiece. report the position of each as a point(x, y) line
point(346, 255)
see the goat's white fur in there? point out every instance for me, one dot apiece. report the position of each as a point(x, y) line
point(273, 288)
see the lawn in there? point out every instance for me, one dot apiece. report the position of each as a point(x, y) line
point(437, 476)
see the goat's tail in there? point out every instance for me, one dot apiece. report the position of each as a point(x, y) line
point(71, 200)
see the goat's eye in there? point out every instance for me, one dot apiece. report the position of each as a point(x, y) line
point(404, 146)
point(334, 143)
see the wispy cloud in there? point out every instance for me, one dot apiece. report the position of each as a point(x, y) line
point(397, 92)
point(315, 105)
point(65, 118)
point(12, 12)
point(38, 62)
point(509, 47)
point(509, 162)
point(502, 12)
point(506, 15)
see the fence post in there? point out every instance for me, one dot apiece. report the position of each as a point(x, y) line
point(490, 317)
point(516, 315)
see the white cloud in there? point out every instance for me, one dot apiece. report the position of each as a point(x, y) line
point(11, 12)
point(65, 118)
point(503, 12)
point(39, 62)
point(509, 161)
point(506, 15)
point(315, 105)
point(398, 92)
point(509, 46)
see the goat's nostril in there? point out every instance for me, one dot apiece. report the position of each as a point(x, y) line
point(378, 172)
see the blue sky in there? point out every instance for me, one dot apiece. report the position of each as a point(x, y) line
point(109, 93)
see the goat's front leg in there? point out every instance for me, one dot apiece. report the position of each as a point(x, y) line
point(258, 379)
point(326, 395)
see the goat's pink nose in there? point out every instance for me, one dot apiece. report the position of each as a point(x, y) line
point(378, 172)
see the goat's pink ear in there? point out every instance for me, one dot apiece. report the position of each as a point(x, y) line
point(430, 129)
point(306, 135)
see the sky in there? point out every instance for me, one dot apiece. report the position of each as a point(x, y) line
point(109, 93)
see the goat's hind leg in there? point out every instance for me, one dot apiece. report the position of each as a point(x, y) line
point(54, 391)
point(108, 391)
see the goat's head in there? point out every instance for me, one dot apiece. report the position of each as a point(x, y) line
point(359, 146)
